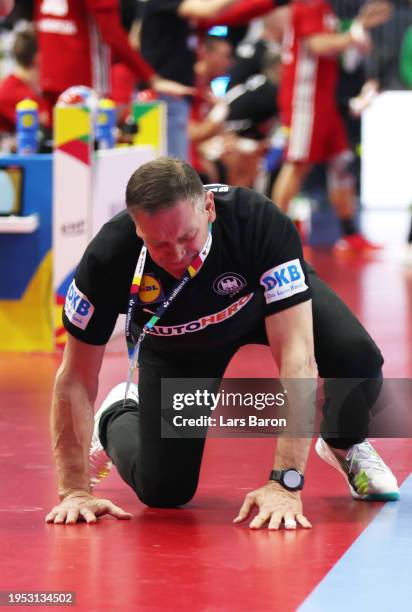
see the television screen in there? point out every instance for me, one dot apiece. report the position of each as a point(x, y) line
point(11, 190)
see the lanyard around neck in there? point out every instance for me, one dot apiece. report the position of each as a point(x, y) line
point(134, 344)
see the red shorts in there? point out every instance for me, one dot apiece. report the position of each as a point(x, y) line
point(316, 137)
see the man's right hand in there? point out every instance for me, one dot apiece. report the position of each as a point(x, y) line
point(82, 506)
point(374, 13)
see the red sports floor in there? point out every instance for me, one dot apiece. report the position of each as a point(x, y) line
point(191, 558)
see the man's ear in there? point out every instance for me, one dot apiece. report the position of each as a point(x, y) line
point(210, 206)
point(133, 217)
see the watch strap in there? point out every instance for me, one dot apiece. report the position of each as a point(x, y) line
point(276, 475)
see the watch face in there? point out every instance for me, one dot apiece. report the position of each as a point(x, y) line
point(292, 479)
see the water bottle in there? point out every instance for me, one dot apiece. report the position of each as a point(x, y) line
point(106, 124)
point(27, 114)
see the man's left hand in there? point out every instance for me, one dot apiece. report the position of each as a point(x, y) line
point(275, 505)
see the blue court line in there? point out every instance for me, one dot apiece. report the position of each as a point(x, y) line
point(375, 573)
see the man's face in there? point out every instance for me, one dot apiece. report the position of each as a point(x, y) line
point(174, 236)
point(218, 59)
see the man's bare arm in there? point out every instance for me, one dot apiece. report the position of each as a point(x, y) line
point(329, 43)
point(371, 15)
point(290, 336)
point(199, 131)
point(192, 9)
point(74, 394)
point(71, 429)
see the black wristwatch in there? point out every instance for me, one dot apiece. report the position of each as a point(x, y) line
point(291, 479)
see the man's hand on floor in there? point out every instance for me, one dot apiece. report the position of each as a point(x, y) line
point(83, 506)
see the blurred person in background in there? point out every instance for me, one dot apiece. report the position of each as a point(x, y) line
point(76, 39)
point(308, 106)
point(169, 42)
point(214, 60)
point(8, 23)
point(122, 79)
point(228, 137)
point(250, 56)
point(254, 84)
point(22, 83)
point(233, 135)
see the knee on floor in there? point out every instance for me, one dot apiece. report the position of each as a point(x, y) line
point(166, 496)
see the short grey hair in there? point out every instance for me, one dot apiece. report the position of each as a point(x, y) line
point(160, 183)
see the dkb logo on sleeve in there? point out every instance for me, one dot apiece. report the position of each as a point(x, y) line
point(283, 281)
point(77, 307)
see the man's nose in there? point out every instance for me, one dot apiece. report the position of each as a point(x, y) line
point(176, 253)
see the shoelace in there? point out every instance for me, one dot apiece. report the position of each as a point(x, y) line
point(367, 454)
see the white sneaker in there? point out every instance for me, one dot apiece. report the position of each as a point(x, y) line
point(100, 463)
point(368, 477)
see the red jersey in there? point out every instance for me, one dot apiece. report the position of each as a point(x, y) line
point(122, 84)
point(199, 110)
point(13, 90)
point(308, 83)
point(75, 40)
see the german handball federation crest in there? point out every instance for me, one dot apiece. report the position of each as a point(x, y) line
point(229, 283)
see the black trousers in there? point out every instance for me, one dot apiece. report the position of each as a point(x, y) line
point(164, 471)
